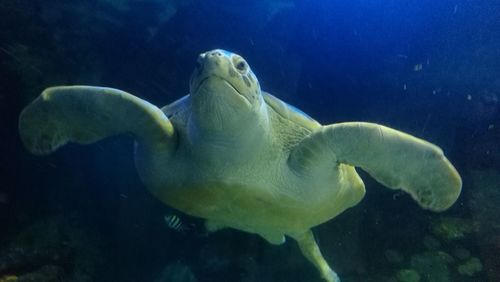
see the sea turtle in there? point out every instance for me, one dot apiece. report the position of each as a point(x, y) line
point(240, 157)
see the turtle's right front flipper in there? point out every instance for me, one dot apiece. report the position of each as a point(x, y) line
point(86, 114)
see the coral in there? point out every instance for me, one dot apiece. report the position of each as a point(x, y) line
point(451, 228)
point(45, 273)
point(432, 265)
point(49, 249)
point(407, 275)
point(470, 267)
point(8, 278)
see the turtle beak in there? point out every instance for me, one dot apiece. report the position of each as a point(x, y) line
point(214, 65)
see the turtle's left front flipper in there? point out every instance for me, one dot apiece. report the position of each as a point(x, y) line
point(393, 158)
point(86, 114)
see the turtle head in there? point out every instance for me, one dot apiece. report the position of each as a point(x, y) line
point(225, 95)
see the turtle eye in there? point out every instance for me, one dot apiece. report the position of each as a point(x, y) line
point(241, 66)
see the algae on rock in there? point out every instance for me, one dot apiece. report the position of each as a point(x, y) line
point(471, 267)
point(433, 266)
point(408, 275)
point(451, 228)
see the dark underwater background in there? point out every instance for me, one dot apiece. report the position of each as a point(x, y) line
point(429, 68)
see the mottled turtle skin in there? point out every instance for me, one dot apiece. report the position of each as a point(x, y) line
point(241, 158)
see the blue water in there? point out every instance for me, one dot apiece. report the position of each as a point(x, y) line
point(428, 68)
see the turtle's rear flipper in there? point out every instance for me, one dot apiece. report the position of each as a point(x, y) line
point(85, 114)
point(394, 158)
point(310, 250)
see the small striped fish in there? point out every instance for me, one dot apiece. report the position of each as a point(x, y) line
point(174, 222)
